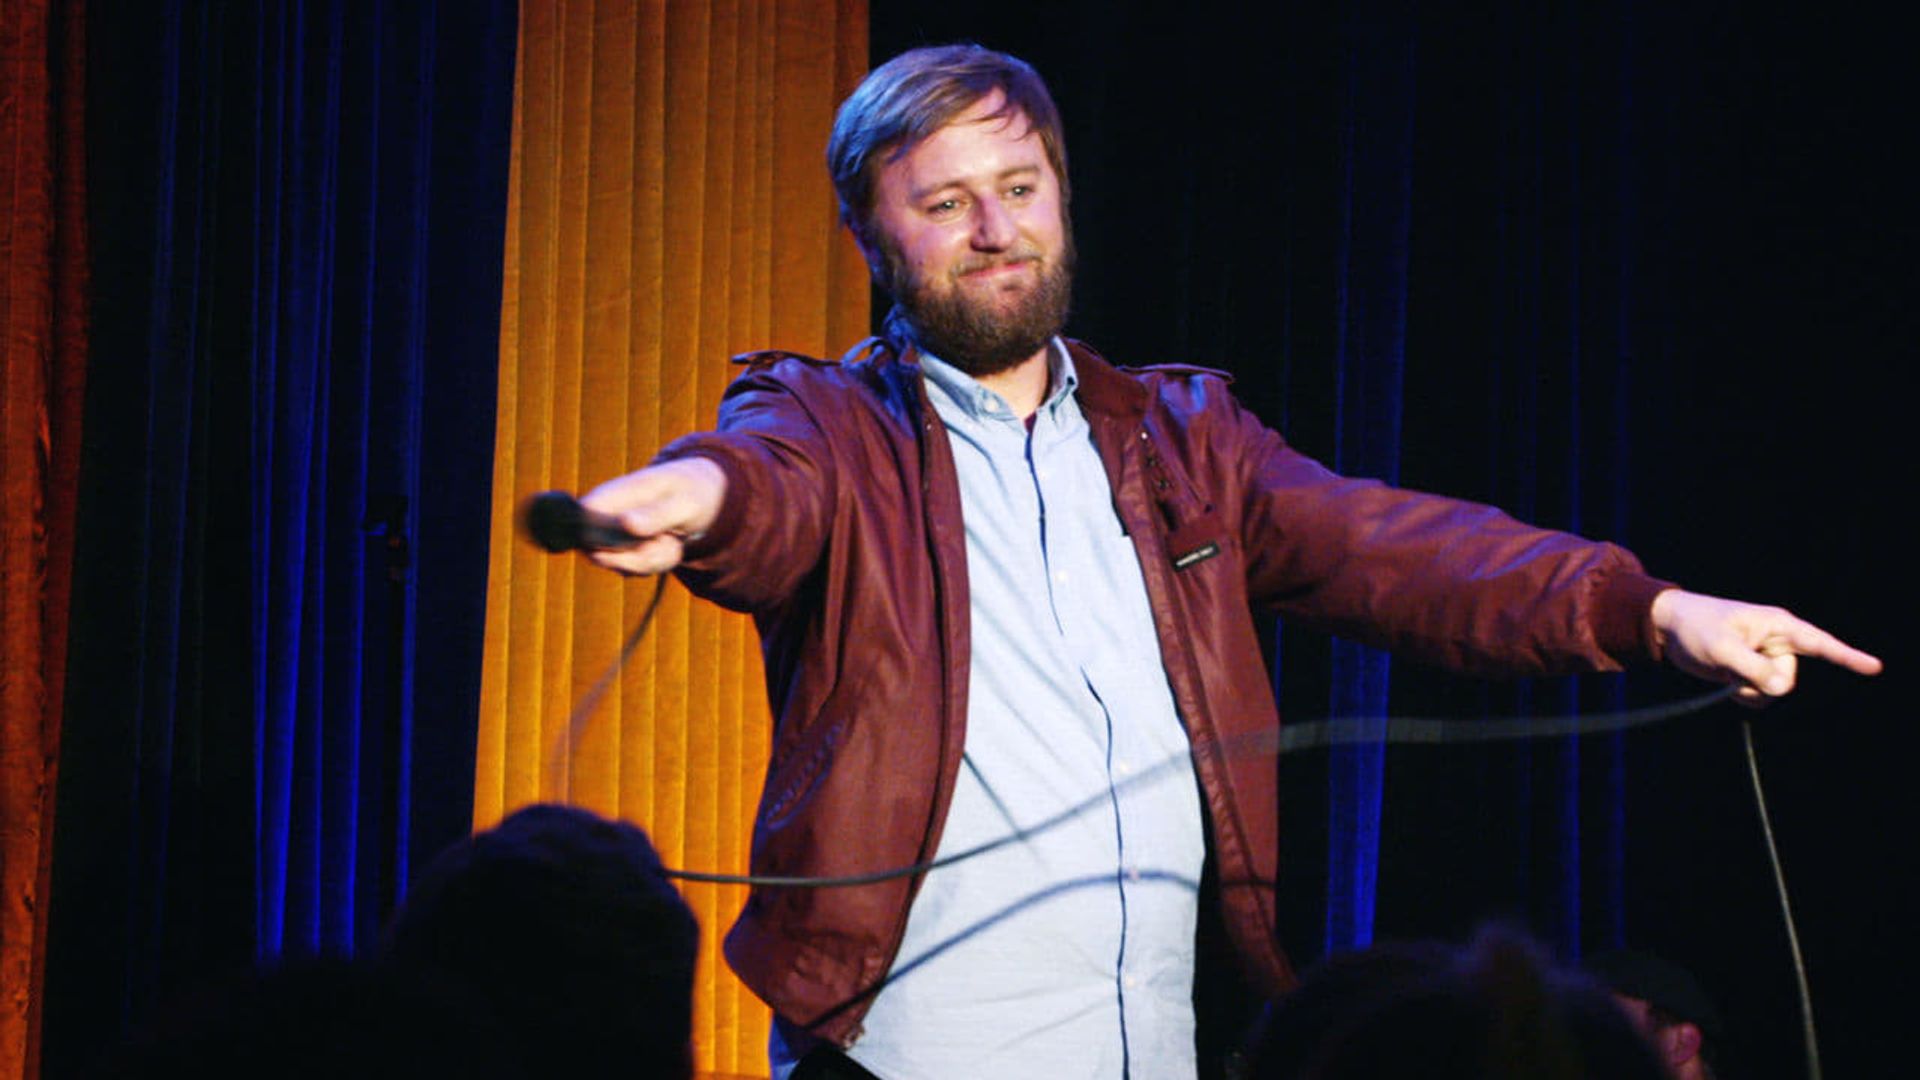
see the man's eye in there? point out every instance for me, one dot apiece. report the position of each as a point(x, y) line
point(1020, 191)
point(944, 206)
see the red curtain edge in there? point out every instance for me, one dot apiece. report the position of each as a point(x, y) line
point(66, 394)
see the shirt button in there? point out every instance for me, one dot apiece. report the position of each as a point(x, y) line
point(1060, 576)
point(1131, 982)
point(1122, 768)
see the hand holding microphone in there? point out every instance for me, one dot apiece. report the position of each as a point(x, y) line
point(633, 524)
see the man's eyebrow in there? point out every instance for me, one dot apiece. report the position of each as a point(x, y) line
point(1004, 175)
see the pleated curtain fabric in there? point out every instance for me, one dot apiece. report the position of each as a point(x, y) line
point(43, 350)
point(669, 207)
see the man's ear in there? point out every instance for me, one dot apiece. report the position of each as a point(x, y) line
point(868, 250)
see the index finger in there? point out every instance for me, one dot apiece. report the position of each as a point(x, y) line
point(1809, 640)
point(642, 501)
point(623, 493)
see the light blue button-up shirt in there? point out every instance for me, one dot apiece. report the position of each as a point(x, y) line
point(1069, 954)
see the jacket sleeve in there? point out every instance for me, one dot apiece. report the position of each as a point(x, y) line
point(1451, 582)
point(774, 521)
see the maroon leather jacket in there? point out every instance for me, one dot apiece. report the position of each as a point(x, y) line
point(841, 533)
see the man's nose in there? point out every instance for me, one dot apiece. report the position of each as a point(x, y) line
point(993, 228)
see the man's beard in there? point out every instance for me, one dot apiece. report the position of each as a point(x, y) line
point(979, 338)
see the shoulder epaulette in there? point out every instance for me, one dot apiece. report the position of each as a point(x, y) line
point(766, 358)
point(1178, 369)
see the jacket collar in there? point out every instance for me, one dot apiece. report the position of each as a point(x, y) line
point(1105, 389)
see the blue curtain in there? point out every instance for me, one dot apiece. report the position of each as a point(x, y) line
point(1534, 419)
point(1370, 283)
point(1414, 237)
point(1535, 415)
point(285, 489)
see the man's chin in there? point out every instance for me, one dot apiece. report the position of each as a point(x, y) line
point(989, 323)
point(1002, 305)
point(982, 358)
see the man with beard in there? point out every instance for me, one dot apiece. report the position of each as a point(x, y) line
point(1003, 589)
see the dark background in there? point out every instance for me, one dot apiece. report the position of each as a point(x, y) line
point(1655, 270)
point(1633, 270)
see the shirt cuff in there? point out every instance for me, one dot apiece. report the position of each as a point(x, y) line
point(1623, 616)
point(733, 506)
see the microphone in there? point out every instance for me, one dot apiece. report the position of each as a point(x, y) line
point(557, 522)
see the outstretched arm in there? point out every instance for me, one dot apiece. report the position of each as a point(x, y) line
point(740, 514)
point(1754, 647)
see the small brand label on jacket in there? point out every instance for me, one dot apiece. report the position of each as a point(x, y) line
point(1198, 555)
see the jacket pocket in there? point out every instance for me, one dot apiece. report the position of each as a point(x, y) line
point(802, 758)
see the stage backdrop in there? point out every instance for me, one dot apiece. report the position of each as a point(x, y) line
point(668, 207)
point(1640, 270)
point(279, 557)
point(1634, 269)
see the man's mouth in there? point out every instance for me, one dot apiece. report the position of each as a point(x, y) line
point(997, 268)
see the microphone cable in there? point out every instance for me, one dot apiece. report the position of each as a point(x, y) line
point(559, 777)
point(1338, 731)
point(1807, 1035)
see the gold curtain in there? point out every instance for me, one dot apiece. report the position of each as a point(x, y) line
point(43, 348)
point(668, 207)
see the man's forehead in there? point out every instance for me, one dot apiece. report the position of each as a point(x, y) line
point(990, 111)
point(994, 109)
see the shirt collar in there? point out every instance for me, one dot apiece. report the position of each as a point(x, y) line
point(977, 402)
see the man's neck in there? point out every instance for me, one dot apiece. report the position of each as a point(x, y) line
point(1023, 386)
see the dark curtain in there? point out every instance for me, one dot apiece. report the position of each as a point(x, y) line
point(285, 493)
point(1631, 270)
point(1315, 190)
